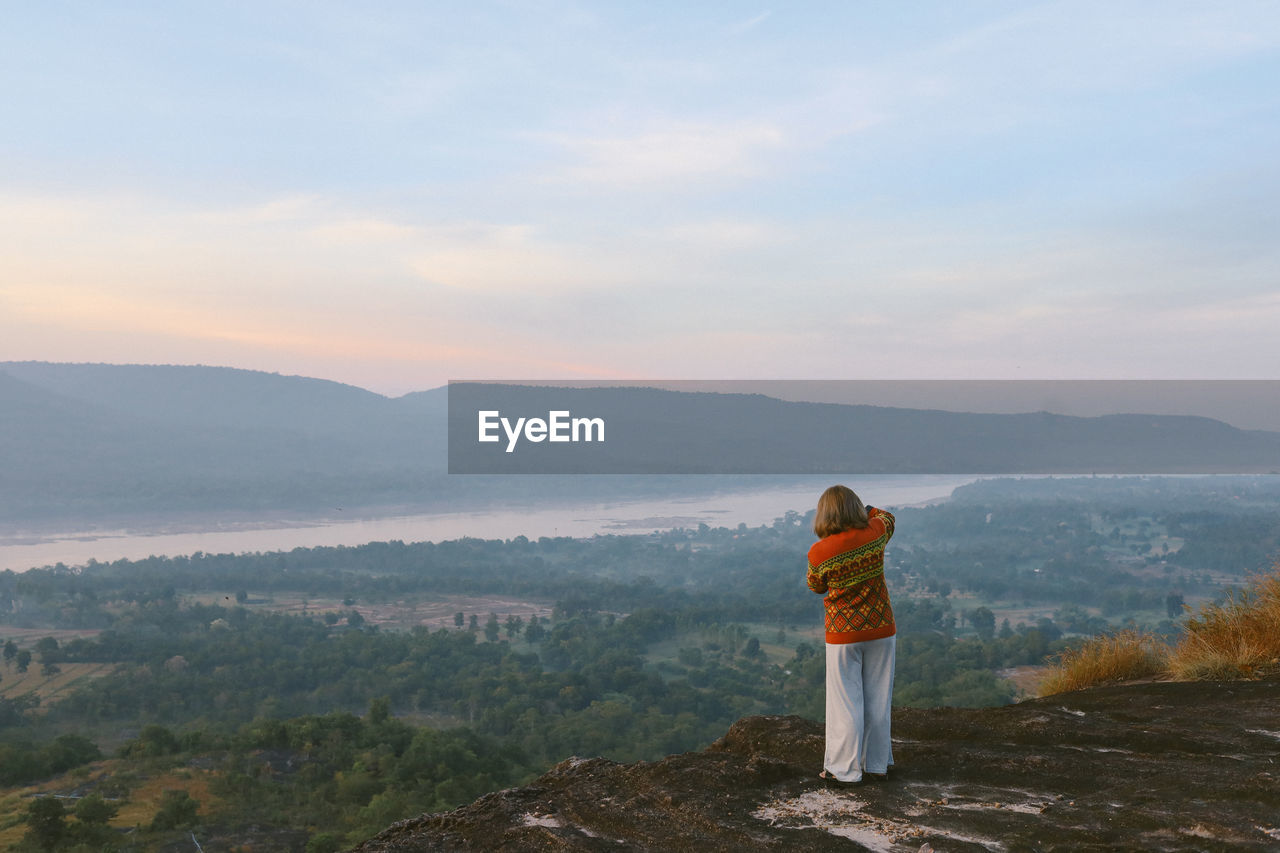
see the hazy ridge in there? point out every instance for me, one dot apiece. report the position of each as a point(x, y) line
point(81, 441)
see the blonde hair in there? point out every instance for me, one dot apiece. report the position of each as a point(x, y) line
point(839, 509)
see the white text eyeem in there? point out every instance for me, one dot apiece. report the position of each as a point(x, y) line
point(558, 426)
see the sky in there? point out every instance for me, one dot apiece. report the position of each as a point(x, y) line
point(398, 194)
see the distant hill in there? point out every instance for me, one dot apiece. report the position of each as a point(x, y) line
point(199, 396)
point(89, 441)
point(661, 431)
point(81, 440)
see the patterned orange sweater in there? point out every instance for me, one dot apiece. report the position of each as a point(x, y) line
point(849, 568)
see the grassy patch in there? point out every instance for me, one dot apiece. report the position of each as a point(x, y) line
point(1123, 656)
point(1232, 639)
point(1237, 638)
point(137, 807)
point(144, 800)
point(1025, 679)
point(772, 651)
point(49, 687)
point(14, 801)
point(434, 612)
point(28, 636)
point(13, 804)
point(666, 651)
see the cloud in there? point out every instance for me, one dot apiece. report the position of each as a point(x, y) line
point(282, 281)
point(750, 23)
point(287, 209)
point(722, 234)
point(503, 258)
point(669, 155)
point(364, 231)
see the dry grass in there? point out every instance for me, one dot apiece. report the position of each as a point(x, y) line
point(14, 801)
point(1234, 639)
point(49, 687)
point(144, 800)
point(137, 809)
point(1103, 660)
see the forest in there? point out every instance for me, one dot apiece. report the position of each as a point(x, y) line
point(299, 700)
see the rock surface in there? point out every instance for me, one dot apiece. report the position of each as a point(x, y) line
point(1155, 766)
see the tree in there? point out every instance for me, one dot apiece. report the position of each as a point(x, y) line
point(459, 619)
point(984, 622)
point(154, 740)
point(12, 711)
point(95, 811)
point(354, 619)
point(379, 710)
point(491, 628)
point(331, 618)
point(177, 811)
point(10, 652)
point(24, 660)
point(324, 842)
point(91, 830)
point(242, 595)
point(46, 819)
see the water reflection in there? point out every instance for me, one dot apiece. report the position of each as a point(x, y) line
point(753, 508)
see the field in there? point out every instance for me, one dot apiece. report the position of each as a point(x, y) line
point(1025, 678)
point(773, 650)
point(138, 804)
point(434, 612)
point(49, 688)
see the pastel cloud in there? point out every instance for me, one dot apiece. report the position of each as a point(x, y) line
point(1069, 188)
point(668, 156)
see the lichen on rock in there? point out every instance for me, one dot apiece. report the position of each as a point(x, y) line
point(1151, 767)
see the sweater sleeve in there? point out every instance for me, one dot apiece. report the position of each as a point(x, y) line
point(817, 583)
point(885, 516)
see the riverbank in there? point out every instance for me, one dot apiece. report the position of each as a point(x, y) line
point(25, 548)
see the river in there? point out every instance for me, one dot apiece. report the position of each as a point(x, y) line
point(20, 550)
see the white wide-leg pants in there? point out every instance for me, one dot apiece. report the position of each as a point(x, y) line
point(859, 699)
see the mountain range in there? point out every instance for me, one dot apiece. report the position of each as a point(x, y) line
point(80, 441)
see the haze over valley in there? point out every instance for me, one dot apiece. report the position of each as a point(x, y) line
point(412, 417)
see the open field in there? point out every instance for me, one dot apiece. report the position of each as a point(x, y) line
point(52, 687)
point(400, 615)
point(28, 636)
point(1025, 678)
point(144, 800)
point(137, 808)
point(668, 650)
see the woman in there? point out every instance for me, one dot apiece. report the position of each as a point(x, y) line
point(847, 563)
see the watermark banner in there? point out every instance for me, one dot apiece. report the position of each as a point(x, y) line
point(865, 427)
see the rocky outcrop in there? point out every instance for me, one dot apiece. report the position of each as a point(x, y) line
point(1156, 766)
